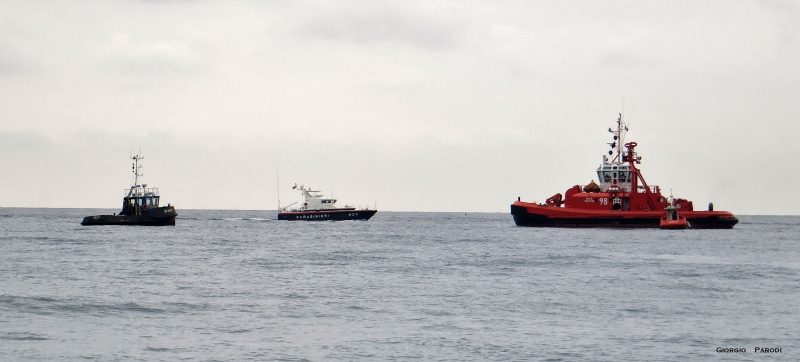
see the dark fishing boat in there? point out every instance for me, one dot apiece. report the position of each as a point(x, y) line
point(317, 208)
point(622, 198)
point(140, 206)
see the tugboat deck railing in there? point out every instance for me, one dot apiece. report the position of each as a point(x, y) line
point(141, 191)
point(626, 185)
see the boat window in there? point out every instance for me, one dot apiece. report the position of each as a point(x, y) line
point(599, 176)
point(614, 168)
point(606, 176)
point(623, 176)
point(606, 167)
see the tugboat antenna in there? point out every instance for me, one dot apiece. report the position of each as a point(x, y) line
point(630, 117)
point(619, 136)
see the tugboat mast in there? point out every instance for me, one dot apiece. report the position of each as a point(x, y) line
point(136, 168)
point(619, 136)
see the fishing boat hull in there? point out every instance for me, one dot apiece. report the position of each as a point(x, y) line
point(680, 223)
point(536, 215)
point(162, 216)
point(325, 215)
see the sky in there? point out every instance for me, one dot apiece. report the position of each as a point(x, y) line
point(410, 106)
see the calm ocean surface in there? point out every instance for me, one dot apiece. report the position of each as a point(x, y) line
point(238, 285)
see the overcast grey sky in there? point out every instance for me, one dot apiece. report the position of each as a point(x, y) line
point(424, 106)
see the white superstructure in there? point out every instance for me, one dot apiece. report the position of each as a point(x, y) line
point(615, 173)
point(315, 200)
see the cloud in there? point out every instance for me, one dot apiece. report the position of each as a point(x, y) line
point(627, 60)
point(403, 94)
point(15, 64)
point(383, 26)
point(149, 57)
point(784, 7)
point(788, 16)
point(14, 60)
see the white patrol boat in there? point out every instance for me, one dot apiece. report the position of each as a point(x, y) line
point(140, 206)
point(317, 208)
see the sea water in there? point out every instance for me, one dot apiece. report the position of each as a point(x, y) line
point(240, 285)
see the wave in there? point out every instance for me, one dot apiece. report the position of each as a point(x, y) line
point(242, 219)
point(23, 336)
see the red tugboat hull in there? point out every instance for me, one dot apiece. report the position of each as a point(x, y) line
point(536, 215)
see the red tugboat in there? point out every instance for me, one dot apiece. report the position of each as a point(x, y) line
point(621, 199)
